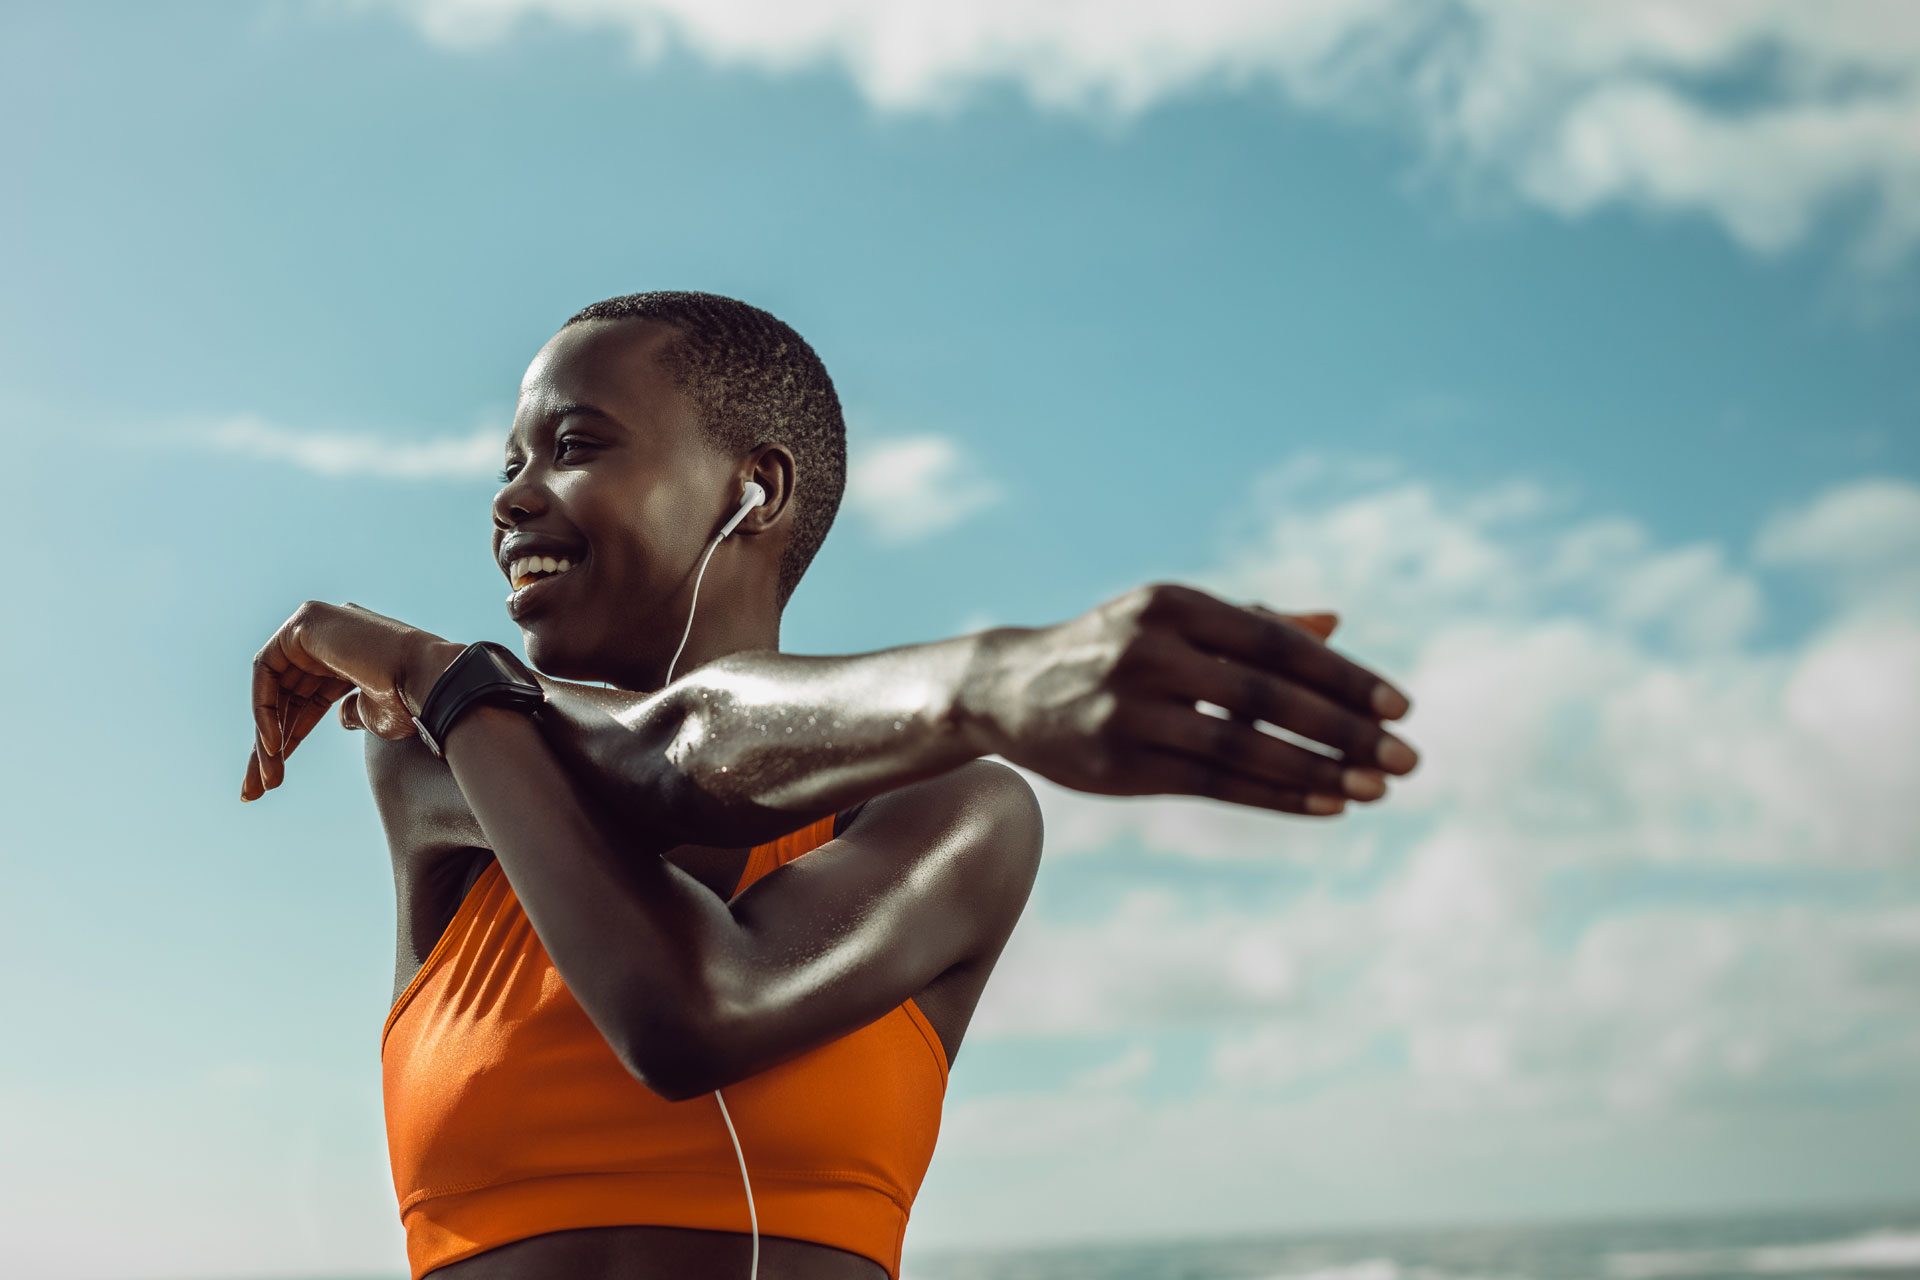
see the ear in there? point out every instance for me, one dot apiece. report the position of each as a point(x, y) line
point(772, 467)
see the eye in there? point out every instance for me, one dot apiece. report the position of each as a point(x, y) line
point(562, 448)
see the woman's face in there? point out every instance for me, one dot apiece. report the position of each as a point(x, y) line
point(607, 467)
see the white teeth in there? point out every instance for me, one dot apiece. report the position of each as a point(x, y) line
point(522, 566)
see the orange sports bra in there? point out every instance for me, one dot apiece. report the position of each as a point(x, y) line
point(509, 1116)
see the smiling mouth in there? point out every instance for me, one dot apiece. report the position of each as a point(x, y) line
point(527, 570)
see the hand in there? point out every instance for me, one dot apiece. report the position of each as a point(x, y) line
point(325, 651)
point(1106, 703)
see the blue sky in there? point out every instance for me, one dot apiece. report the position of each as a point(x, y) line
point(1573, 365)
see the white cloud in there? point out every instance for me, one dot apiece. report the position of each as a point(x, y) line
point(1576, 722)
point(1862, 539)
point(330, 453)
point(1760, 114)
point(911, 487)
point(1130, 1067)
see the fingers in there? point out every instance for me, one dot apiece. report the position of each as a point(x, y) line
point(289, 698)
point(350, 711)
point(304, 716)
point(1261, 639)
point(267, 666)
point(1321, 624)
point(296, 719)
point(1255, 695)
point(251, 787)
point(1235, 746)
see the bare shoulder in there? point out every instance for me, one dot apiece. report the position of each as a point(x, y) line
point(967, 842)
point(974, 831)
point(433, 838)
point(392, 761)
point(420, 803)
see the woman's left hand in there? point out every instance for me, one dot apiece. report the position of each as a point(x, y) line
point(323, 652)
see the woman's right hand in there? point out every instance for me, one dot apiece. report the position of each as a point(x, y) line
point(1105, 703)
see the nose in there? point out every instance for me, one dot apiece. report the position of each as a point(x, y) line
point(519, 499)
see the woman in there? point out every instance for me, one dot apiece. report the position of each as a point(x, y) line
point(636, 1032)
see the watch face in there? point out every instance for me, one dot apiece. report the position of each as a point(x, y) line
point(521, 688)
point(509, 665)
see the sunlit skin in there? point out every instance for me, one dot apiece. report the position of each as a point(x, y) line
point(918, 895)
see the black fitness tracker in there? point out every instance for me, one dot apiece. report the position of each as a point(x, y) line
point(484, 672)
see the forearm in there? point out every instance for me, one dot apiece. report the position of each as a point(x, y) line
point(749, 746)
point(635, 938)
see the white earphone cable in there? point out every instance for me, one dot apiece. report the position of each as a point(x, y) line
point(753, 1216)
point(693, 604)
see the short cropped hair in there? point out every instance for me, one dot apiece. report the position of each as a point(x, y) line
point(754, 381)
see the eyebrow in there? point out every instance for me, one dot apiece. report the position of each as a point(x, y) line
point(572, 409)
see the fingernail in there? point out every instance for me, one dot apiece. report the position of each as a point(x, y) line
point(1363, 784)
point(1389, 703)
point(1325, 804)
point(1394, 755)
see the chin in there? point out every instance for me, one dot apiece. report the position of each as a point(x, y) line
point(550, 655)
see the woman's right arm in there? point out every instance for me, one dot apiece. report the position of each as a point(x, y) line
point(744, 748)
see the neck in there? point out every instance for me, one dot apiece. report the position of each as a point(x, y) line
point(732, 611)
point(717, 632)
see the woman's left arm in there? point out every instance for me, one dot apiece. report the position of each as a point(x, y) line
point(692, 992)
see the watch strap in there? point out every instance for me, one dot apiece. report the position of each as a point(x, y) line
point(484, 672)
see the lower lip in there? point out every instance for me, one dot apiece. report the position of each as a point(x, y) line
point(535, 593)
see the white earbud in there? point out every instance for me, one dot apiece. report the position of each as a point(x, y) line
point(750, 497)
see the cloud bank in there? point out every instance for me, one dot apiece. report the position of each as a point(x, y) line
point(1762, 115)
point(1654, 870)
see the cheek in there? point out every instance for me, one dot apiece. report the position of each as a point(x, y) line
point(639, 538)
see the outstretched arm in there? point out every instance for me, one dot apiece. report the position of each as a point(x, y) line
point(749, 746)
point(743, 748)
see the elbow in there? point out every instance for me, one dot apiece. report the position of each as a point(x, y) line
point(677, 1033)
point(671, 1056)
point(677, 1077)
